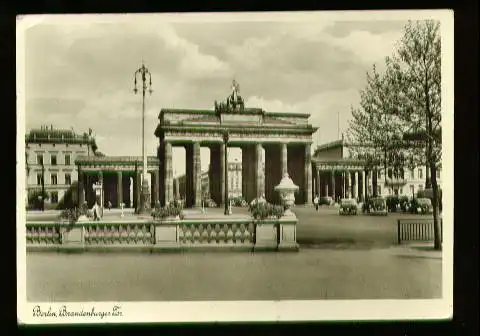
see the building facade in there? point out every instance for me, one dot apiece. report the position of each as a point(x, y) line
point(50, 155)
point(339, 174)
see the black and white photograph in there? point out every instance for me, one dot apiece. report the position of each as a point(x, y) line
point(235, 167)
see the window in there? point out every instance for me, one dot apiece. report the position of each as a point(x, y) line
point(420, 187)
point(438, 174)
point(39, 179)
point(412, 173)
point(40, 159)
point(412, 189)
point(67, 159)
point(379, 174)
point(379, 190)
point(68, 179)
point(53, 179)
point(401, 191)
point(420, 173)
point(54, 196)
point(53, 160)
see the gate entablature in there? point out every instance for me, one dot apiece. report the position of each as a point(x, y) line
point(115, 163)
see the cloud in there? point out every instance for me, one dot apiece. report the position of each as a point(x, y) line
point(80, 74)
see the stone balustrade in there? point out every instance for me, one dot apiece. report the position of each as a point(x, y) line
point(167, 235)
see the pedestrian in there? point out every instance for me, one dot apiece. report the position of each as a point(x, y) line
point(315, 201)
point(96, 212)
point(109, 205)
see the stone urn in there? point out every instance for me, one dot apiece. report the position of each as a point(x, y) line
point(287, 190)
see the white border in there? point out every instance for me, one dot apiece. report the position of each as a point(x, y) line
point(211, 311)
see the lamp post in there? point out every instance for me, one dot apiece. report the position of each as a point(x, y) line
point(144, 73)
point(226, 211)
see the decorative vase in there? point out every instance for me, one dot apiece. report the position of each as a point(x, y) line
point(287, 190)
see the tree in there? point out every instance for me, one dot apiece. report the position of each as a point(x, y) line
point(415, 74)
point(375, 130)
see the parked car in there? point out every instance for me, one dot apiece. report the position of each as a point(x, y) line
point(348, 206)
point(375, 206)
point(424, 206)
point(326, 200)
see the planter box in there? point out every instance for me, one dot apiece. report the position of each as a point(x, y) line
point(266, 236)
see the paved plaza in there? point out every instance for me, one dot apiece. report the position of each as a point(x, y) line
point(340, 258)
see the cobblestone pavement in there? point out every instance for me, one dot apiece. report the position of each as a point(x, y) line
point(312, 273)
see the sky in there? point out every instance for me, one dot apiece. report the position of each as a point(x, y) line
point(79, 73)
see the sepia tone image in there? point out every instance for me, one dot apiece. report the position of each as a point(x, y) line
point(232, 160)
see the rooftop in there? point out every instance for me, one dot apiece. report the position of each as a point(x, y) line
point(47, 134)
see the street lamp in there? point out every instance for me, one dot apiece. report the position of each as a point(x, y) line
point(143, 72)
point(226, 211)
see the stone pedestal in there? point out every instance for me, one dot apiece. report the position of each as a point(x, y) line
point(288, 235)
point(73, 238)
point(266, 236)
point(166, 236)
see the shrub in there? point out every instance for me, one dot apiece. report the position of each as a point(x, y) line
point(265, 210)
point(403, 201)
point(172, 210)
point(392, 202)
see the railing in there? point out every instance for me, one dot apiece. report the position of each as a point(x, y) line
point(149, 235)
point(416, 229)
point(119, 233)
point(217, 232)
point(41, 233)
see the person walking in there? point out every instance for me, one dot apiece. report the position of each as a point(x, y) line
point(96, 211)
point(316, 200)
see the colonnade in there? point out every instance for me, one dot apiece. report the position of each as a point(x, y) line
point(294, 158)
point(338, 184)
point(118, 187)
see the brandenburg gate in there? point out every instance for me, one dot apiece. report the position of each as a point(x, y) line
point(286, 139)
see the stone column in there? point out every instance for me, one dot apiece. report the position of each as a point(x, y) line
point(138, 188)
point(333, 185)
point(352, 184)
point(308, 174)
point(259, 177)
point(284, 159)
point(81, 188)
point(319, 184)
point(359, 186)
point(154, 188)
point(197, 171)
point(168, 173)
point(222, 173)
point(119, 188)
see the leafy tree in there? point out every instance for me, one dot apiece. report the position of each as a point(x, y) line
point(375, 130)
point(415, 74)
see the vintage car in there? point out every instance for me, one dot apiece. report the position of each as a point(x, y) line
point(375, 206)
point(424, 206)
point(326, 200)
point(348, 206)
